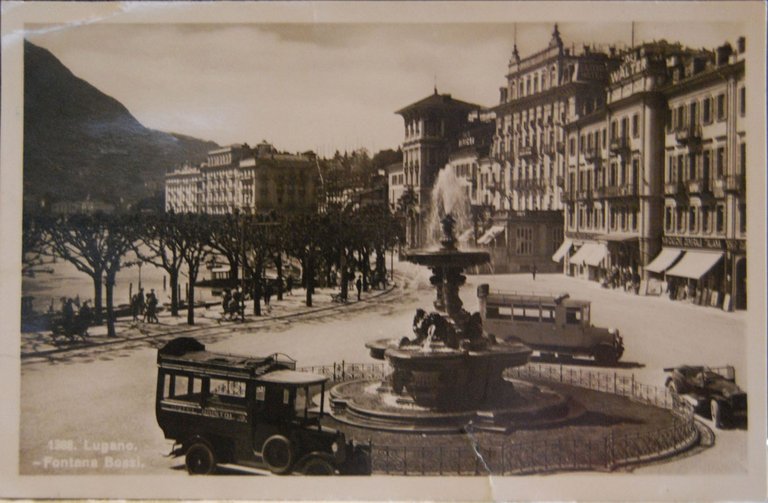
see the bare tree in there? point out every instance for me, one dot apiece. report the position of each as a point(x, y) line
point(194, 233)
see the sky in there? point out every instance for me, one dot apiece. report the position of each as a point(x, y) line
point(313, 86)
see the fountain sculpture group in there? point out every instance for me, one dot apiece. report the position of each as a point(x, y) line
point(449, 375)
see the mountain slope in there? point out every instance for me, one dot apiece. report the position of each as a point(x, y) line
point(79, 142)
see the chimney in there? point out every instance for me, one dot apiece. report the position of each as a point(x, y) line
point(723, 54)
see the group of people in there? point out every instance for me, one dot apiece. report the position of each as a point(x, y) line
point(75, 315)
point(232, 303)
point(144, 306)
point(622, 277)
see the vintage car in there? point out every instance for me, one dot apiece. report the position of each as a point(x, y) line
point(549, 324)
point(256, 412)
point(711, 389)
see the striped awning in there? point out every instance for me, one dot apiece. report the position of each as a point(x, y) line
point(664, 260)
point(695, 264)
point(590, 254)
point(564, 248)
point(490, 234)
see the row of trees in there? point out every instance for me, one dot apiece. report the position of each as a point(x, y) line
point(339, 240)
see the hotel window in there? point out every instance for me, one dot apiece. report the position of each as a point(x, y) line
point(705, 165)
point(614, 129)
point(671, 168)
point(720, 107)
point(668, 219)
point(743, 101)
point(706, 222)
point(692, 219)
point(742, 218)
point(680, 122)
point(524, 240)
point(706, 110)
point(720, 219)
point(720, 162)
point(624, 219)
point(743, 157)
point(668, 120)
point(572, 146)
point(605, 137)
point(680, 219)
point(635, 126)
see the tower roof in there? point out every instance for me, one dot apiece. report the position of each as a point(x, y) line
point(439, 101)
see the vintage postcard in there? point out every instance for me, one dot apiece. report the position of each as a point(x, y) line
point(432, 251)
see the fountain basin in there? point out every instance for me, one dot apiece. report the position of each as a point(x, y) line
point(448, 257)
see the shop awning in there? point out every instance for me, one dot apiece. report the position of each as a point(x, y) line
point(490, 234)
point(618, 237)
point(597, 254)
point(564, 248)
point(695, 264)
point(582, 253)
point(664, 260)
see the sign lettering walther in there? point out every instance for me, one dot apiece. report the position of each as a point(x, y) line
point(732, 245)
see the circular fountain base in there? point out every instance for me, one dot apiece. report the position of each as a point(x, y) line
point(371, 404)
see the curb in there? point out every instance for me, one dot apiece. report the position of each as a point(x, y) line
point(256, 322)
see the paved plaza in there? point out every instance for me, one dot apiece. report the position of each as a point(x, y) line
point(105, 393)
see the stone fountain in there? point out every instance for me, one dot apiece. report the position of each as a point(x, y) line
point(450, 373)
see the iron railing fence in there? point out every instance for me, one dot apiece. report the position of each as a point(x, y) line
point(567, 452)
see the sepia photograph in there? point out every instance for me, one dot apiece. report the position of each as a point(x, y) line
point(445, 251)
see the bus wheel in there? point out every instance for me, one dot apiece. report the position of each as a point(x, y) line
point(316, 465)
point(277, 453)
point(200, 459)
point(605, 355)
point(716, 411)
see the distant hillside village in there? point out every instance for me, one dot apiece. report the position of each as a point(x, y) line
point(626, 167)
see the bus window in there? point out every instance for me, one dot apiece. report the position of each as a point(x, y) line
point(226, 391)
point(573, 315)
point(525, 313)
point(586, 314)
point(548, 314)
point(286, 396)
point(300, 402)
point(166, 385)
point(498, 312)
point(261, 392)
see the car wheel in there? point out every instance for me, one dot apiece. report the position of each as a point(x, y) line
point(317, 466)
point(200, 459)
point(277, 453)
point(605, 355)
point(716, 412)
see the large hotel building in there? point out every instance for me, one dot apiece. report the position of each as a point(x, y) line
point(240, 178)
point(622, 166)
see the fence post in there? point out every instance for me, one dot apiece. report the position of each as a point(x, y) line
point(334, 372)
point(386, 463)
point(561, 372)
point(633, 385)
point(614, 383)
point(343, 371)
point(405, 460)
point(440, 464)
point(502, 458)
point(422, 460)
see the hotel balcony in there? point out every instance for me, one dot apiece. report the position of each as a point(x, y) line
point(609, 191)
point(585, 194)
point(619, 145)
point(735, 183)
point(673, 188)
point(690, 135)
point(718, 187)
point(548, 149)
point(567, 196)
point(528, 152)
point(591, 154)
point(698, 186)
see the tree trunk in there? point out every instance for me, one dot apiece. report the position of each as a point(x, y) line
point(344, 274)
point(191, 295)
point(110, 304)
point(309, 273)
point(256, 294)
point(279, 268)
point(174, 276)
point(97, 306)
point(366, 268)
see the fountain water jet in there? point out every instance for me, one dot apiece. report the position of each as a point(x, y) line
point(451, 373)
point(449, 197)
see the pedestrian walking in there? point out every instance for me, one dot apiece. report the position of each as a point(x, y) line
point(68, 312)
point(135, 307)
point(225, 299)
point(289, 285)
point(267, 292)
point(534, 272)
point(359, 286)
point(142, 304)
point(151, 314)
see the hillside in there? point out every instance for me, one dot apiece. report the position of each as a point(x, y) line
point(79, 142)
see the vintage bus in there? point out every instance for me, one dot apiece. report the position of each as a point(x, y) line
point(256, 412)
point(552, 325)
